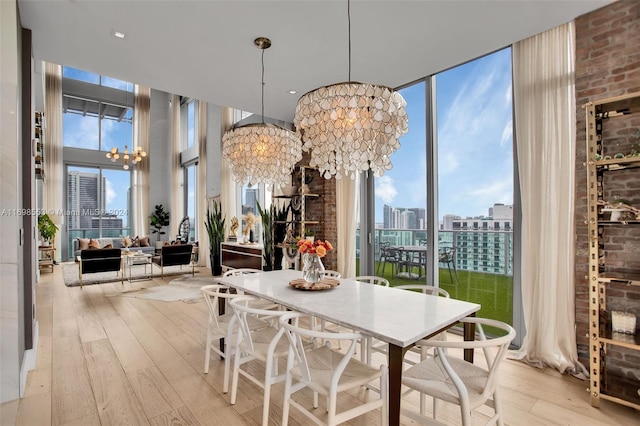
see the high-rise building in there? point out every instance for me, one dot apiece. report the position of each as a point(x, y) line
point(84, 198)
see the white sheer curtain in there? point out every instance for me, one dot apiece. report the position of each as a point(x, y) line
point(140, 193)
point(52, 197)
point(543, 78)
point(201, 204)
point(177, 200)
point(346, 208)
point(228, 187)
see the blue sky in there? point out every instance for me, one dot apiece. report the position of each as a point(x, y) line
point(475, 155)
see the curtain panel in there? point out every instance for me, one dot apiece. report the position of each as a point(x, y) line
point(140, 193)
point(52, 197)
point(177, 201)
point(201, 199)
point(544, 104)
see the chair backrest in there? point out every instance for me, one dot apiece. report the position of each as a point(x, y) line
point(494, 349)
point(176, 254)
point(372, 279)
point(240, 271)
point(100, 260)
point(183, 230)
point(297, 335)
point(426, 289)
point(446, 254)
point(242, 306)
point(212, 294)
point(330, 273)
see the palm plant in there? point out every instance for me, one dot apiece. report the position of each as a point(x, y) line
point(215, 230)
point(267, 235)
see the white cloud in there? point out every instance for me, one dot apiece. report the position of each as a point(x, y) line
point(110, 194)
point(385, 189)
point(507, 132)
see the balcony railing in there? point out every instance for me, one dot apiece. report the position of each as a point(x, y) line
point(478, 250)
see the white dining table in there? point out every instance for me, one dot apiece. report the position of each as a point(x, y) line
point(398, 317)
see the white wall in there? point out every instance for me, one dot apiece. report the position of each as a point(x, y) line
point(9, 199)
point(159, 150)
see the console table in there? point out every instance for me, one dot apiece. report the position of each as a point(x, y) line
point(238, 255)
point(47, 255)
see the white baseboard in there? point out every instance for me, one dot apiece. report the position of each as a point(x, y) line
point(29, 359)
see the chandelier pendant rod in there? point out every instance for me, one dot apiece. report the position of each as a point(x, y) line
point(349, 32)
point(262, 87)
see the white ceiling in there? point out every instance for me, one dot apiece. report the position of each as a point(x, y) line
point(205, 50)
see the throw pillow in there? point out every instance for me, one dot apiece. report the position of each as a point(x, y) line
point(126, 242)
point(108, 245)
point(83, 243)
point(94, 244)
point(166, 243)
point(136, 242)
point(144, 241)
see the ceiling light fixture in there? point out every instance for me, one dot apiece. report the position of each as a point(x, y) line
point(260, 152)
point(351, 127)
point(134, 156)
point(118, 34)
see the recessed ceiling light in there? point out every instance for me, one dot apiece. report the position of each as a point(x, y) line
point(293, 92)
point(118, 34)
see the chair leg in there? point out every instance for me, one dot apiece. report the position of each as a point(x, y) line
point(455, 270)
point(207, 353)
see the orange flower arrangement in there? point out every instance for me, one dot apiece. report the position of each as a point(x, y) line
point(318, 247)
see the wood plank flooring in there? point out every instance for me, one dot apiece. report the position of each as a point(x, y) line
point(108, 359)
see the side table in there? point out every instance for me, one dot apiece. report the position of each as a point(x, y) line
point(133, 259)
point(47, 256)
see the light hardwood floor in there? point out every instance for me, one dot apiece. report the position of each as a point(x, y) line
point(107, 359)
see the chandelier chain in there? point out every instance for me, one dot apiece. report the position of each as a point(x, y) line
point(262, 86)
point(349, 31)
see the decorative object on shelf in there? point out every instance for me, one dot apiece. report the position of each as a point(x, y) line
point(247, 232)
point(260, 152)
point(233, 231)
point(134, 156)
point(279, 233)
point(351, 127)
point(620, 210)
point(311, 253)
point(159, 219)
point(623, 322)
point(215, 231)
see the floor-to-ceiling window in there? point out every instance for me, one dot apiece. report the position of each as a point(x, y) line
point(451, 188)
point(97, 118)
point(475, 183)
point(98, 203)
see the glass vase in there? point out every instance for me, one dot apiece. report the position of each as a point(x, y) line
point(312, 268)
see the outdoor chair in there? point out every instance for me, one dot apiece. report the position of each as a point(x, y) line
point(100, 260)
point(327, 372)
point(171, 255)
point(448, 255)
point(459, 382)
point(389, 255)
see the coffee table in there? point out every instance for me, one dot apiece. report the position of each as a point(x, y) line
point(135, 258)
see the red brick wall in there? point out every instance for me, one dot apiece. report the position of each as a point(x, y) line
point(323, 209)
point(607, 65)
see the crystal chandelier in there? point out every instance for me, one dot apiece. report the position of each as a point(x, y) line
point(134, 156)
point(351, 127)
point(260, 152)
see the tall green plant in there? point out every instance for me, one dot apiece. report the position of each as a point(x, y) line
point(267, 234)
point(215, 227)
point(159, 219)
point(47, 228)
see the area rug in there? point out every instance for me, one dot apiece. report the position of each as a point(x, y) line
point(70, 274)
point(186, 289)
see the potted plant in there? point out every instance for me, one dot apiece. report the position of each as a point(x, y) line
point(279, 234)
point(47, 229)
point(215, 231)
point(267, 236)
point(159, 219)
